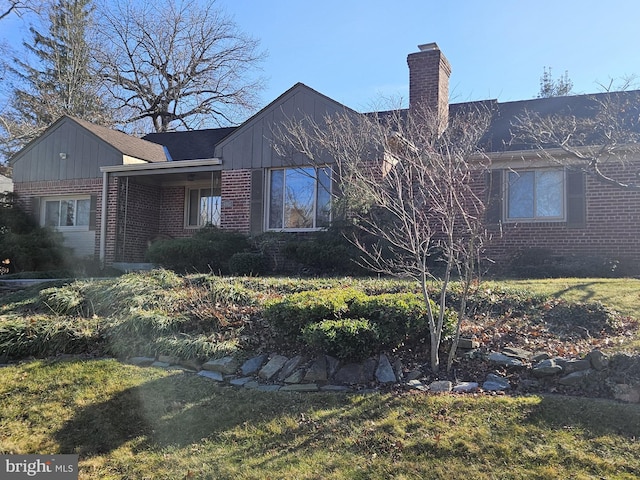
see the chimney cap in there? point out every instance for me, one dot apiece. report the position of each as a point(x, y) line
point(426, 47)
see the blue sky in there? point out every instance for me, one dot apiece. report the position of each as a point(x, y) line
point(355, 50)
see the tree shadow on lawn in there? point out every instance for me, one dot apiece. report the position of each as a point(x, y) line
point(177, 410)
point(180, 410)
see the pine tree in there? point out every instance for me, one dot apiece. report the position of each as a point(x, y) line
point(550, 87)
point(54, 79)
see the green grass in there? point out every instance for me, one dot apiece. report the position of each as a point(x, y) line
point(127, 422)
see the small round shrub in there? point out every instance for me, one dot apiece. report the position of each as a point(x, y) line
point(345, 339)
point(247, 264)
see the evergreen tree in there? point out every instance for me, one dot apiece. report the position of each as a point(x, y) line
point(550, 87)
point(54, 79)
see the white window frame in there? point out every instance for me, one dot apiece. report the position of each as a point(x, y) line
point(535, 218)
point(199, 187)
point(268, 206)
point(66, 198)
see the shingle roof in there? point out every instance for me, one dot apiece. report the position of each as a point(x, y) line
point(126, 144)
point(191, 144)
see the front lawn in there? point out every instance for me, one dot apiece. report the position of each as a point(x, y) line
point(127, 422)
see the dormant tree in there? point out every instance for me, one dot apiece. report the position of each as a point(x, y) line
point(176, 64)
point(55, 78)
point(18, 7)
point(411, 187)
point(598, 134)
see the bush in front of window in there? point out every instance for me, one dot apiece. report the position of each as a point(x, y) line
point(327, 252)
point(249, 264)
point(26, 246)
point(209, 250)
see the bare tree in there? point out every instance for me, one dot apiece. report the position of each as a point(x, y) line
point(597, 134)
point(179, 64)
point(411, 187)
point(18, 7)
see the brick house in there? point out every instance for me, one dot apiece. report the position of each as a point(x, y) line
point(110, 194)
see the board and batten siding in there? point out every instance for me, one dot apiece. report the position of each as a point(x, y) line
point(251, 145)
point(84, 153)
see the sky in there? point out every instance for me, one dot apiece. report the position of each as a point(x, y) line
point(355, 51)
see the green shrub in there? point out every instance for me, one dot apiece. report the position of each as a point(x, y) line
point(247, 263)
point(24, 245)
point(400, 316)
point(346, 338)
point(325, 253)
point(290, 315)
point(209, 250)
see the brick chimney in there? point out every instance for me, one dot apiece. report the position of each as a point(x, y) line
point(429, 73)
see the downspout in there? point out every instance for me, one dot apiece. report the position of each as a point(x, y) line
point(103, 218)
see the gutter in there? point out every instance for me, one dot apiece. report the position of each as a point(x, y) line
point(151, 168)
point(103, 218)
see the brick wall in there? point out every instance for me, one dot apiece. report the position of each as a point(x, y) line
point(612, 228)
point(236, 200)
point(26, 191)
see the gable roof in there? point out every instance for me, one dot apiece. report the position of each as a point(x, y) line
point(124, 143)
point(190, 144)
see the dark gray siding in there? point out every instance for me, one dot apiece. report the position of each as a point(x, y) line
point(86, 153)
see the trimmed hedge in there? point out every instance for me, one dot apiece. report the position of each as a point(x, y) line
point(347, 338)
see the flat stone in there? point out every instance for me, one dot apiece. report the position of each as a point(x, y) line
point(226, 365)
point(575, 365)
point(465, 387)
point(168, 359)
point(495, 383)
point(440, 386)
point(351, 374)
point(300, 387)
point(335, 388)
point(599, 361)
point(518, 353)
point(160, 364)
point(384, 372)
point(369, 368)
point(317, 372)
point(141, 361)
point(240, 382)
point(272, 367)
point(217, 376)
point(252, 365)
point(504, 360)
point(289, 367)
point(252, 385)
point(269, 388)
point(191, 363)
point(575, 378)
point(295, 377)
point(413, 375)
point(539, 356)
point(546, 368)
point(417, 385)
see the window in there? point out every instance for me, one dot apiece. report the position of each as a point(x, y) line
point(66, 213)
point(536, 195)
point(203, 207)
point(299, 198)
